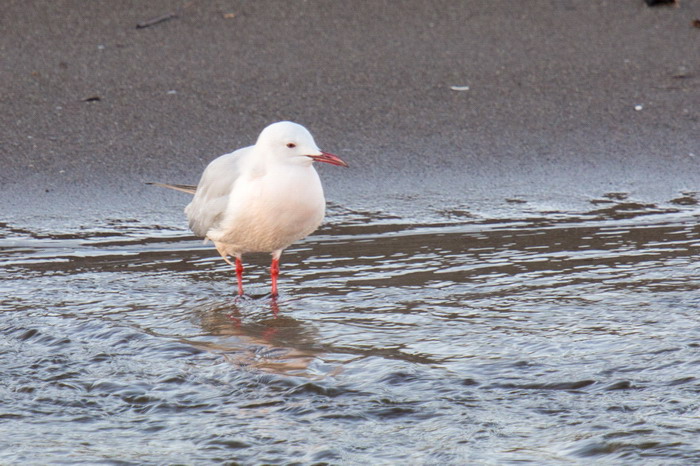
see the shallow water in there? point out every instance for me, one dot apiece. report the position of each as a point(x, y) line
point(535, 335)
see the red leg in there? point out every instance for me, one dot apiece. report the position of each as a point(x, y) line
point(239, 276)
point(274, 272)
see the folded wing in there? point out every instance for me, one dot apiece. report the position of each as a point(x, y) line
point(212, 194)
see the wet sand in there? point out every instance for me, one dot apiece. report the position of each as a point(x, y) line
point(566, 98)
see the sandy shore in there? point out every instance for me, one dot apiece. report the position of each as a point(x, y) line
point(603, 93)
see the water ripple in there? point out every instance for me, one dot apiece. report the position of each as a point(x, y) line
point(547, 337)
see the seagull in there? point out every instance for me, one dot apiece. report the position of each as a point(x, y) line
point(260, 198)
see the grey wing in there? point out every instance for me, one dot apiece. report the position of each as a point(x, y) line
point(211, 198)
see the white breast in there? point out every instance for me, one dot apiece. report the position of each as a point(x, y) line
point(267, 211)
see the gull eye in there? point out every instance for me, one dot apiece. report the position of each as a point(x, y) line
point(291, 145)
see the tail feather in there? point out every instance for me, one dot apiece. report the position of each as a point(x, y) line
point(185, 188)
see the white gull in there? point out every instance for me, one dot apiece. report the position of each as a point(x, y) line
point(260, 198)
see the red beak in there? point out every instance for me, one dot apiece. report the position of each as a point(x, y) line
point(328, 158)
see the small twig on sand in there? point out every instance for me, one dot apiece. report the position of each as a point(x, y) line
point(165, 17)
point(675, 3)
point(156, 20)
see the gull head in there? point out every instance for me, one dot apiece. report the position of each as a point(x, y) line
point(290, 142)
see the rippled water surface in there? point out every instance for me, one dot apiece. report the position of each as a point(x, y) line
point(535, 335)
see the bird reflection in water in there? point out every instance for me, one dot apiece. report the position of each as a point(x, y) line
point(254, 334)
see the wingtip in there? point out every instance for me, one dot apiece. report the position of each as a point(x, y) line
point(177, 187)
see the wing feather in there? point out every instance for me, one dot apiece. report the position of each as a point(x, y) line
point(185, 188)
point(212, 194)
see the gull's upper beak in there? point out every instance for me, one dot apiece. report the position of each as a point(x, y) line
point(328, 158)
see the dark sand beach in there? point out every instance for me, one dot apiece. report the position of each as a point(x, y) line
point(93, 103)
